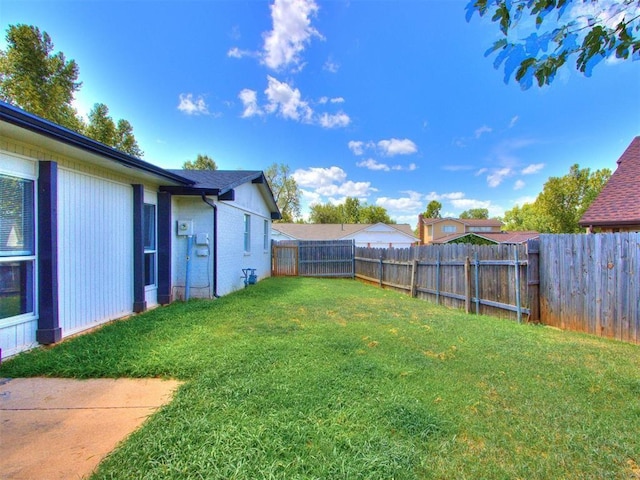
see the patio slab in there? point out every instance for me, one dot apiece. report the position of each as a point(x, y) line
point(54, 428)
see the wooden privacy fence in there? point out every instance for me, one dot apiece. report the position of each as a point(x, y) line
point(591, 283)
point(313, 258)
point(492, 280)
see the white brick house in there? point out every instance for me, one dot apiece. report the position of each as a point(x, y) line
point(89, 234)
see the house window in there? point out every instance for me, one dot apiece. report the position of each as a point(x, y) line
point(17, 246)
point(480, 229)
point(265, 241)
point(149, 232)
point(247, 233)
point(448, 229)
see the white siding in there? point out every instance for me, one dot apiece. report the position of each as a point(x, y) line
point(95, 245)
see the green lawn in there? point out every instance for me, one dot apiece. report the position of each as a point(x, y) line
point(333, 379)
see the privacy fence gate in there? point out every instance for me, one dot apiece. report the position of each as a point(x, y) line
point(327, 258)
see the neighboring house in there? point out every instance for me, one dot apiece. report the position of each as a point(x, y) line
point(617, 207)
point(497, 238)
point(432, 230)
point(89, 234)
point(377, 235)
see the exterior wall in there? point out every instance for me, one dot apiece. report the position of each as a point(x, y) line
point(95, 250)
point(19, 333)
point(381, 236)
point(231, 257)
point(192, 209)
point(95, 242)
point(436, 230)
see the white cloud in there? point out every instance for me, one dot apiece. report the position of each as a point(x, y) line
point(286, 101)
point(235, 52)
point(356, 146)
point(350, 188)
point(513, 121)
point(395, 146)
point(192, 107)
point(481, 171)
point(331, 66)
point(518, 185)
point(372, 164)
point(291, 32)
point(533, 168)
point(496, 177)
point(413, 201)
point(482, 130)
point(249, 99)
point(315, 177)
point(339, 119)
point(409, 168)
point(337, 100)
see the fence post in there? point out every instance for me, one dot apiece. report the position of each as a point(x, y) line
point(414, 272)
point(533, 279)
point(476, 263)
point(438, 278)
point(467, 285)
point(381, 266)
point(517, 272)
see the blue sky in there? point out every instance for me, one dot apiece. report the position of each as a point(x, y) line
point(392, 102)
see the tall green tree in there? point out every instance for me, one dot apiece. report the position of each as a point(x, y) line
point(562, 202)
point(325, 213)
point(125, 141)
point(285, 191)
point(476, 213)
point(538, 37)
point(351, 210)
point(433, 209)
point(375, 214)
point(37, 80)
point(202, 162)
point(102, 128)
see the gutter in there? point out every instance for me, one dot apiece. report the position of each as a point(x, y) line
point(214, 247)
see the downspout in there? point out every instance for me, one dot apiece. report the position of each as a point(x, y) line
point(214, 248)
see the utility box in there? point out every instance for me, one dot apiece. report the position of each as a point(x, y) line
point(184, 227)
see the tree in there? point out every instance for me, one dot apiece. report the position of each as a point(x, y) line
point(589, 30)
point(285, 191)
point(433, 209)
point(477, 213)
point(202, 162)
point(375, 214)
point(34, 79)
point(102, 128)
point(325, 213)
point(125, 141)
point(348, 211)
point(562, 202)
point(351, 210)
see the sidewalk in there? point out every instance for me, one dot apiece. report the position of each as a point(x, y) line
point(54, 428)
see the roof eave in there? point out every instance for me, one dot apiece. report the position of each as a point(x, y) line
point(35, 124)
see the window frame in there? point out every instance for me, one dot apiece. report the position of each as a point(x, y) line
point(247, 233)
point(150, 250)
point(266, 235)
point(28, 258)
